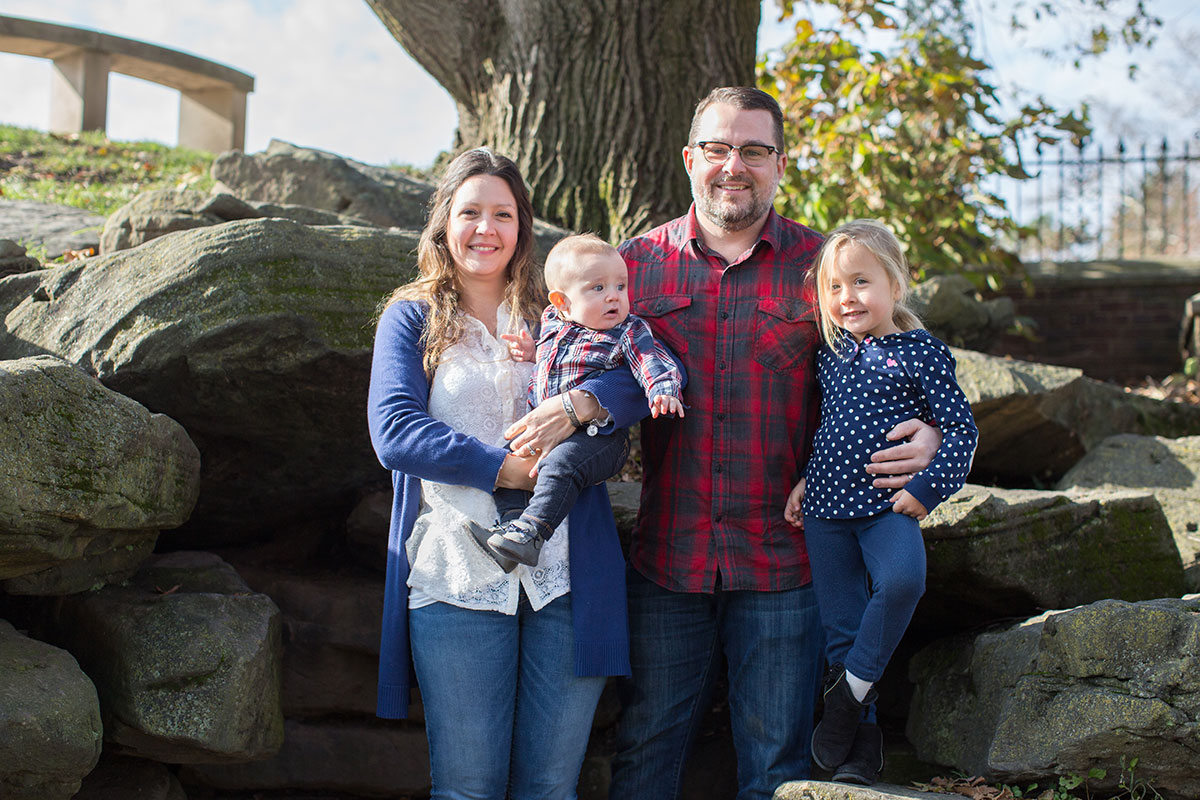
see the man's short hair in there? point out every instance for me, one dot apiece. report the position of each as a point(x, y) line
point(746, 98)
point(559, 259)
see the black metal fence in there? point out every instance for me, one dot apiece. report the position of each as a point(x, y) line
point(1093, 203)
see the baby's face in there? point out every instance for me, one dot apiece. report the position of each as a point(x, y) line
point(597, 295)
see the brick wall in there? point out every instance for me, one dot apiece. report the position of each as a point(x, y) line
point(1115, 320)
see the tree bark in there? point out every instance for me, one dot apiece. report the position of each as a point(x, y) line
point(591, 98)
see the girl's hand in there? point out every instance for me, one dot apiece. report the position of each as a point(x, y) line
point(896, 465)
point(540, 431)
point(516, 472)
point(791, 511)
point(664, 404)
point(520, 345)
point(905, 503)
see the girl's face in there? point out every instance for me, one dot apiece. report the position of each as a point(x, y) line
point(859, 294)
point(481, 234)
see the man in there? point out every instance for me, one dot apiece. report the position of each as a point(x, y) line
point(715, 570)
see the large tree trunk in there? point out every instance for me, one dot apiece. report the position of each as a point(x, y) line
point(592, 98)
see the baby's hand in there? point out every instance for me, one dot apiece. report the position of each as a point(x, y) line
point(663, 404)
point(905, 503)
point(791, 511)
point(520, 345)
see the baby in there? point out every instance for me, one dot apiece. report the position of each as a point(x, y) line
point(586, 328)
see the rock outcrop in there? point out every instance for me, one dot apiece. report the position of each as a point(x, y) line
point(1036, 420)
point(1001, 553)
point(1167, 468)
point(331, 624)
point(13, 259)
point(89, 479)
point(367, 529)
point(255, 335)
point(163, 211)
point(55, 228)
point(953, 311)
point(820, 790)
point(1067, 692)
point(185, 658)
point(287, 174)
point(362, 758)
point(125, 778)
point(50, 728)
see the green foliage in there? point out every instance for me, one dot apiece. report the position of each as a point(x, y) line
point(1076, 787)
point(1132, 787)
point(907, 135)
point(88, 170)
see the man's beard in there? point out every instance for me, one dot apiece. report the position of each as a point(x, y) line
point(732, 216)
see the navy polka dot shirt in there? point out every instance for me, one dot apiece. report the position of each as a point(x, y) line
point(867, 388)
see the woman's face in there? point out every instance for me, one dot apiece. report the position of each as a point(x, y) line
point(482, 231)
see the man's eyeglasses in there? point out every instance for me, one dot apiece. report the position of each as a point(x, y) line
point(754, 155)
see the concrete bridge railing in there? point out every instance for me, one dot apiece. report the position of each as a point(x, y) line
point(212, 96)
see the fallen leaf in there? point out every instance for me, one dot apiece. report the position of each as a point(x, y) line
point(75, 255)
point(975, 788)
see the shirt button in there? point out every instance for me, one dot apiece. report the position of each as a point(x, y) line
point(724, 315)
point(721, 365)
point(718, 467)
point(721, 417)
point(717, 518)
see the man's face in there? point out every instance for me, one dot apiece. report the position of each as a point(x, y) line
point(734, 196)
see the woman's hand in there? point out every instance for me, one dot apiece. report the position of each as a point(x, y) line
point(540, 431)
point(516, 472)
point(898, 464)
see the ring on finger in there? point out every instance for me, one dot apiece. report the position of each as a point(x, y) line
point(532, 450)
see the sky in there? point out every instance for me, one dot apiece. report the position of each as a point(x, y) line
point(329, 75)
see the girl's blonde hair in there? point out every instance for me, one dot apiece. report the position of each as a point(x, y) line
point(437, 277)
point(883, 244)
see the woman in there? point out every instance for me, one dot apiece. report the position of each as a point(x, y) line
point(510, 664)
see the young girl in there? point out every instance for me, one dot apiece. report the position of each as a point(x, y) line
point(878, 367)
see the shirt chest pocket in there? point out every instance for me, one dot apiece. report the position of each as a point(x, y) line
point(785, 333)
point(667, 315)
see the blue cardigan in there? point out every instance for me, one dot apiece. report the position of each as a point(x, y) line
point(415, 446)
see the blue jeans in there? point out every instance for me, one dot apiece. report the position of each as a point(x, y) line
point(869, 574)
point(504, 712)
point(772, 644)
point(575, 464)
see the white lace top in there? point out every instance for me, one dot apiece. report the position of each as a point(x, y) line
point(477, 390)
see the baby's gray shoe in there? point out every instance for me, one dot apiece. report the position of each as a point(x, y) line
point(482, 535)
point(518, 541)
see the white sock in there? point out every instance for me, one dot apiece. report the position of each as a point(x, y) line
point(858, 687)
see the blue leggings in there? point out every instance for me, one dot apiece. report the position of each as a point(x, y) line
point(868, 574)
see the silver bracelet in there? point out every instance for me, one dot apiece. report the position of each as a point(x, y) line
point(569, 407)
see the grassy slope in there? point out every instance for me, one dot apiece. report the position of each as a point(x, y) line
point(88, 170)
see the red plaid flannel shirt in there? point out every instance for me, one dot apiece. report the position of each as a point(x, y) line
point(716, 481)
